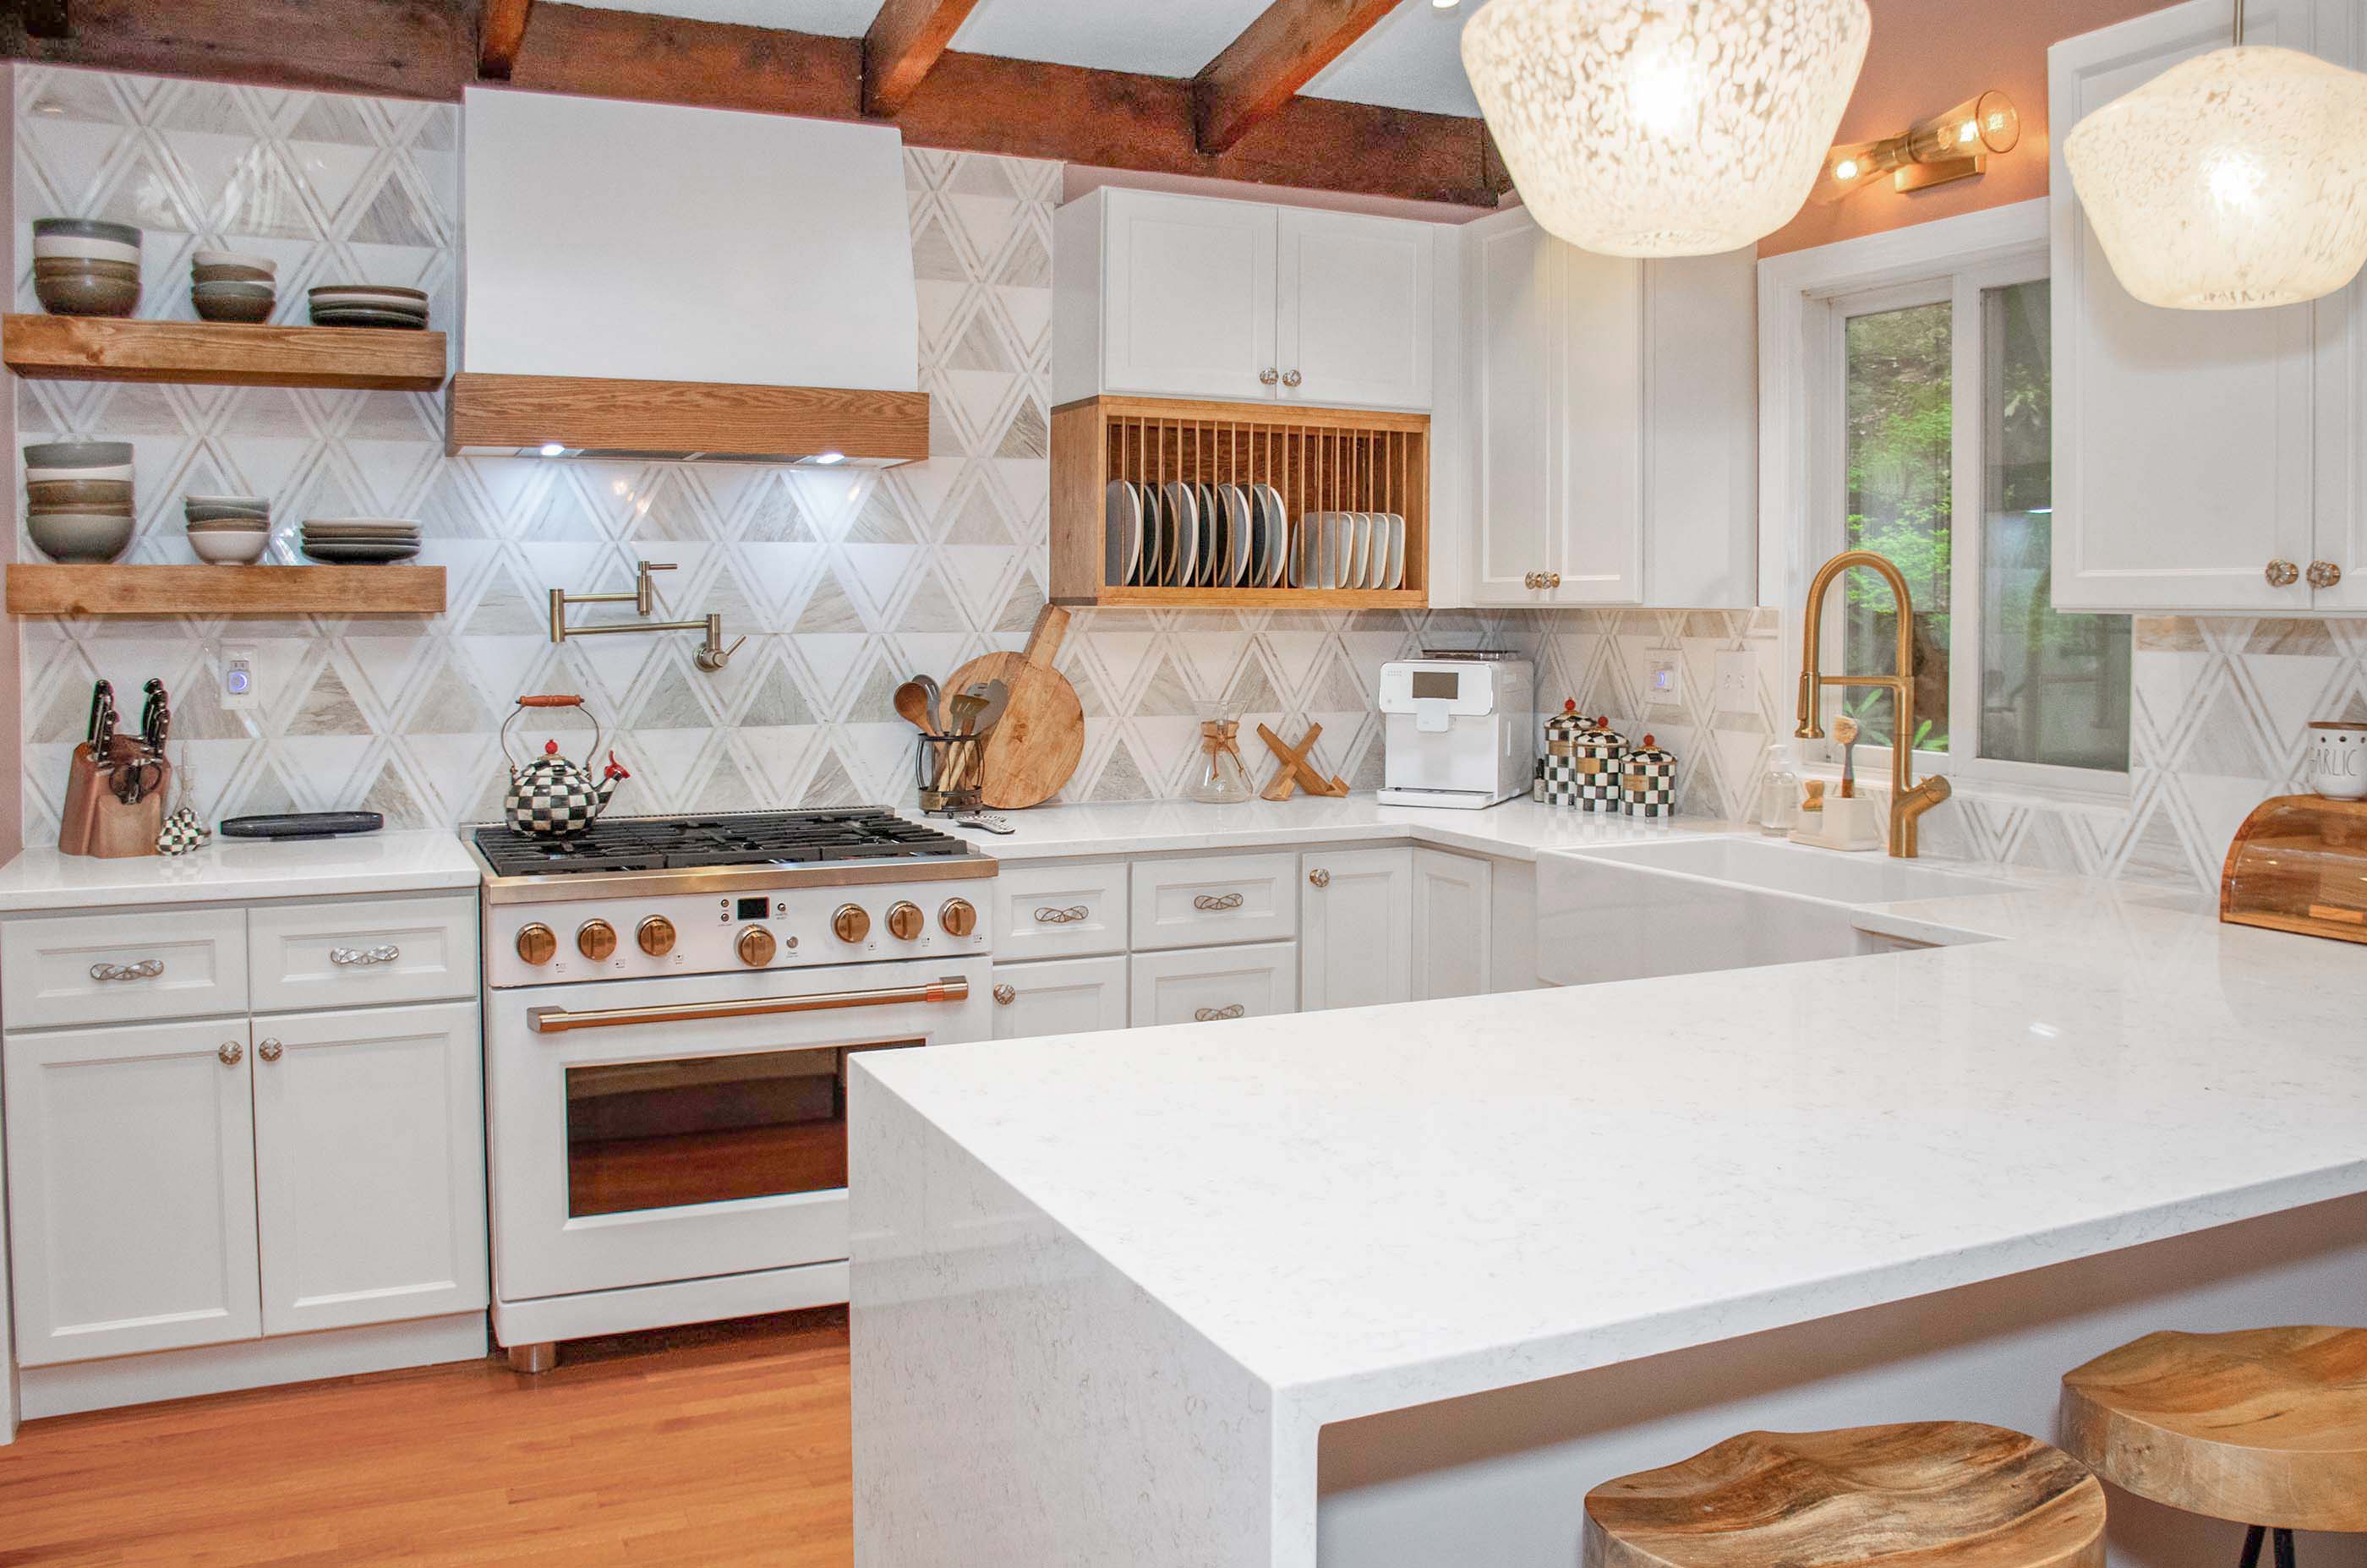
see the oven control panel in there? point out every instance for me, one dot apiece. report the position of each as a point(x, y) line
point(631, 939)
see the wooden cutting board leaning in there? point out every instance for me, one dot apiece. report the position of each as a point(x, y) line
point(1033, 749)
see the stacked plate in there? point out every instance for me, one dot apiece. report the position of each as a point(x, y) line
point(78, 499)
point(1186, 534)
point(1349, 549)
point(369, 305)
point(228, 530)
point(85, 267)
point(361, 540)
point(226, 286)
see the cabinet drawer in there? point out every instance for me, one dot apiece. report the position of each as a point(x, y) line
point(1209, 983)
point(123, 968)
point(366, 952)
point(1059, 995)
point(1061, 911)
point(1215, 898)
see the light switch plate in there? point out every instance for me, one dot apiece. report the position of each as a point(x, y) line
point(1664, 679)
point(238, 679)
point(1737, 681)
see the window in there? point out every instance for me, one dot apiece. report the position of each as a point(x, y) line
point(1937, 456)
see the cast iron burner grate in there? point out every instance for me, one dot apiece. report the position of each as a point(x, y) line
point(749, 837)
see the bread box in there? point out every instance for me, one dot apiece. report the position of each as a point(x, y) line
point(2299, 863)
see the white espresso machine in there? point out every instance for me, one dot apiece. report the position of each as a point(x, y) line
point(1460, 728)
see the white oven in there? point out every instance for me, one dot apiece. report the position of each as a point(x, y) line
point(674, 1149)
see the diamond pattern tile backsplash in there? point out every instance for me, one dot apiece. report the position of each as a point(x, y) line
point(842, 583)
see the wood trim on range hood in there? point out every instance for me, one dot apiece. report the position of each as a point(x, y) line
point(710, 420)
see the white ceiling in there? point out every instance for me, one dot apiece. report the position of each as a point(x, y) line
point(1410, 62)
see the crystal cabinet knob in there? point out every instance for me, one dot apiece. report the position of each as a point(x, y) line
point(231, 1053)
point(757, 947)
point(1321, 877)
point(1269, 376)
point(1004, 996)
point(1290, 378)
point(595, 940)
point(270, 1050)
point(905, 920)
point(957, 917)
point(2324, 574)
point(851, 923)
point(537, 944)
point(2282, 574)
point(656, 936)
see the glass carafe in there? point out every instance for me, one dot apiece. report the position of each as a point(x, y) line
point(1218, 775)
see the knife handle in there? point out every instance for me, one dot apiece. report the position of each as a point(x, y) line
point(550, 700)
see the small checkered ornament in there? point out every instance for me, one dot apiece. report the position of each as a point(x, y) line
point(1648, 781)
point(553, 798)
point(182, 833)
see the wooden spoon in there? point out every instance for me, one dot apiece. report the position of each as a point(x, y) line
point(912, 705)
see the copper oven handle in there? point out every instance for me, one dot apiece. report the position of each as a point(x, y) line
point(558, 1021)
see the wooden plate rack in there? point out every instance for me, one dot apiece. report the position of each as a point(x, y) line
point(1320, 459)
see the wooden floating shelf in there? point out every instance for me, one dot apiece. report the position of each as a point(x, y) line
point(493, 413)
point(41, 589)
point(222, 353)
point(1320, 459)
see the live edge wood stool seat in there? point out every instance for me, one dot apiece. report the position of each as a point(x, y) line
point(1924, 1495)
point(2264, 1427)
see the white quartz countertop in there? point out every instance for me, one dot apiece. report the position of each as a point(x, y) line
point(240, 870)
point(1376, 1208)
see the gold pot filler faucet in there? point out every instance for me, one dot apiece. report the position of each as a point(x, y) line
point(1908, 804)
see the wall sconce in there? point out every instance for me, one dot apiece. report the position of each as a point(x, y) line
point(1952, 146)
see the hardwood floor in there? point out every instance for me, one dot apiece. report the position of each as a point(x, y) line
point(719, 1444)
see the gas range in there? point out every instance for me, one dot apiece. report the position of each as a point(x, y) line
point(643, 896)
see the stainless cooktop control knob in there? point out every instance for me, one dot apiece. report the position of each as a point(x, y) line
point(756, 947)
point(595, 940)
point(905, 920)
point(851, 923)
point(536, 943)
point(656, 936)
point(958, 917)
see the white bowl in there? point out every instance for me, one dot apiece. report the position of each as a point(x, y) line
point(50, 246)
point(232, 258)
point(102, 471)
point(231, 546)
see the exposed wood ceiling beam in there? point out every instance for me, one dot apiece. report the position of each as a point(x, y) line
point(501, 28)
point(1276, 54)
point(428, 49)
point(904, 41)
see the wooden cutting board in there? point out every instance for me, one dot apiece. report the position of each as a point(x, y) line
point(1033, 749)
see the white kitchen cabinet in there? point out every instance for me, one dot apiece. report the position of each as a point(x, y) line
point(1209, 985)
point(131, 1188)
point(1613, 423)
point(1059, 995)
point(1204, 900)
point(1064, 909)
point(1355, 924)
point(1453, 925)
point(2193, 449)
point(370, 1171)
point(1180, 295)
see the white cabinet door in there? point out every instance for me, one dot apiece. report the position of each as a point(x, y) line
point(1513, 271)
point(1599, 542)
point(1204, 900)
point(1063, 909)
point(131, 1190)
point(1189, 306)
point(1355, 920)
point(1353, 309)
point(1209, 985)
point(369, 1169)
point(1701, 425)
point(1453, 949)
point(2182, 438)
point(1059, 995)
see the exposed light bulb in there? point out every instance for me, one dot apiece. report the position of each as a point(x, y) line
point(1846, 170)
point(1968, 133)
point(1444, 5)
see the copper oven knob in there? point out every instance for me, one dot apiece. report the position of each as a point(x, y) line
point(957, 917)
point(536, 944)
point(595, 940)
point(656, 936)
point(905, 919)
point(756, 947)
point(851, 923)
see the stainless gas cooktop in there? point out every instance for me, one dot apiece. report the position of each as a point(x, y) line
point(847, 847)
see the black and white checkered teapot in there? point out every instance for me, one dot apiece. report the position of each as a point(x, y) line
point(550, 797)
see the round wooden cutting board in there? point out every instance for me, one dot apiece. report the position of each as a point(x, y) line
point(1033, 749)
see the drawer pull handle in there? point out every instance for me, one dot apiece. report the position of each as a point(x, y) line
point(347, 957)
point(269, 1050)
point(1217, 1015)
point(230, 1051)
point(146, 969)
point(1004, 996)
point(1049, 915)
point(1213, 901)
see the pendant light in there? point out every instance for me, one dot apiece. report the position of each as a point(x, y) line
point(1664, 128)
point(2232, 181)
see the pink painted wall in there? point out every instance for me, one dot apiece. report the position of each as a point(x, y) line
point(1929, 54)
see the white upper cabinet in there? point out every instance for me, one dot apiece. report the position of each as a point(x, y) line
point(1181, 296)
point(1614, 418)
point(2195, 450)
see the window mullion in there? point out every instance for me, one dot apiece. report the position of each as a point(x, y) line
point(1967, 501)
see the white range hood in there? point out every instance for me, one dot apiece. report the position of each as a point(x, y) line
point(655, 281)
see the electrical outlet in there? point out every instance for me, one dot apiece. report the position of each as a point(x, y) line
point(1664, 679)
point(1737, 681)
point(238, 679)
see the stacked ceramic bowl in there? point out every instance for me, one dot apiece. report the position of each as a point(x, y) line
point(228, 287)
point(85, 267)
point(228, 530)
point(361, 540)
point(369, 305)
point(78, 499)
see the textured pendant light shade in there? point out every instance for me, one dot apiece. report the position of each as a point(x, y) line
point(1664, 128)
point(2231, 181)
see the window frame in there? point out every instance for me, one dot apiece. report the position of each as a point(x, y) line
point(1812, 295)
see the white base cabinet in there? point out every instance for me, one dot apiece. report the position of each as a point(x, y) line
point(1060, 996)
point(1453, 925)
point(1210, 985)
point(1356, 929)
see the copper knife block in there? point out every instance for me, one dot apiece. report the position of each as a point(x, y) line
point(94, 822)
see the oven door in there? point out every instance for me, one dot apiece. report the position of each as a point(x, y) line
point(646, 1130)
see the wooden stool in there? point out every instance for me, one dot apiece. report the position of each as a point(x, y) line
point(2266, 1428)
point(1926, 1494)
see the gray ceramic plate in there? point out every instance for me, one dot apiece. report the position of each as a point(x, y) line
point(77, 454)
point(355, 552)
point(369, 319)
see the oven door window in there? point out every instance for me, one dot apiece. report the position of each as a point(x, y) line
point(707, 1129)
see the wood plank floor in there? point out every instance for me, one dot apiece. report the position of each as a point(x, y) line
point(721, 1445)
